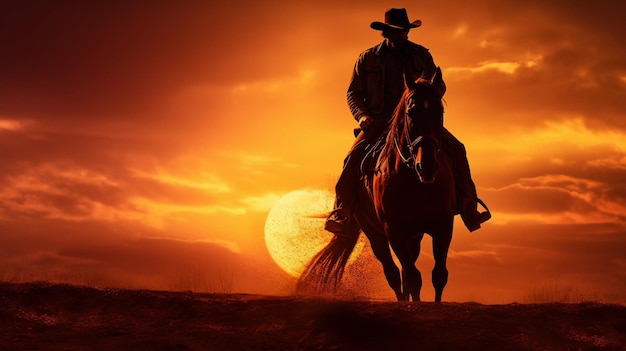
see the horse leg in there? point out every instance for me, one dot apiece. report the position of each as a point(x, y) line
point(375, 232)
point(407, 251)
point(380, 247)
point(414, 245)
point(441, 244)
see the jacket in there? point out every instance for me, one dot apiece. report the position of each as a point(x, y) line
point(366, 90)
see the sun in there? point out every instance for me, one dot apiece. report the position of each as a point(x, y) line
point(294, 229)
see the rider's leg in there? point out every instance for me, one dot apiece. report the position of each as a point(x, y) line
point(465, 187)
point(341, 218)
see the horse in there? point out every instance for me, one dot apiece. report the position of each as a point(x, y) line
point(411, 192)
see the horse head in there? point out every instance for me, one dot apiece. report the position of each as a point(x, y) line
point(423, 126)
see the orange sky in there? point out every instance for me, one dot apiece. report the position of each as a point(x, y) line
point(143, 143)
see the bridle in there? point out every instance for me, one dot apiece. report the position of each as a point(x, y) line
point(413, 143)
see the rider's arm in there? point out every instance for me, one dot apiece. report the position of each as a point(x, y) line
point(356, 91)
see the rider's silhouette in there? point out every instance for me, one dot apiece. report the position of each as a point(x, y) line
point(375, 89)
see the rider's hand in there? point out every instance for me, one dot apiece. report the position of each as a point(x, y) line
point(365, 122)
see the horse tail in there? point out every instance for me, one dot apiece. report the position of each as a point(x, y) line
point(324, 271)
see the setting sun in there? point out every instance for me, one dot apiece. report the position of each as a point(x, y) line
point(294, 229)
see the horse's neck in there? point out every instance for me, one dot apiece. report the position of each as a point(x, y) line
point(389, 161)
point(390, 164)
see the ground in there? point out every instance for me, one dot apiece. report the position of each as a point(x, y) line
point(45, 316)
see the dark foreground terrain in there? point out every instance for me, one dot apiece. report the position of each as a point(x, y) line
point(42, 316)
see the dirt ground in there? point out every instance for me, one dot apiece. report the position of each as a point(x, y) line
point(44, 316)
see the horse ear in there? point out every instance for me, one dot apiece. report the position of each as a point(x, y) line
point(437, 78)
point(410, 81)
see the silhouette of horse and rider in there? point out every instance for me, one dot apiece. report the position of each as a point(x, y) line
point(405, 176)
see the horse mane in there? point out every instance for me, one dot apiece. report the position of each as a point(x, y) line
point(387, 161)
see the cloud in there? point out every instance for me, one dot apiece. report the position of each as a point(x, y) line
point(531, 253)
point(558, 199)
point(474, 254)
point(617, 163)
point(72, 192)
point(260, 203)
point(554, 147)
point(129, 60)
point(502, 67)
point(58, 192)
point(304, 78)
point(562, 172)
point(204, 182)
point(156, 262)
point(554, 67)
point(10, 125)
point(99, 180)
point(157, 214)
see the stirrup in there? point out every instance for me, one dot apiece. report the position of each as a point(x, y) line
point(480, 218)
point(334, 226)
point(483, 204)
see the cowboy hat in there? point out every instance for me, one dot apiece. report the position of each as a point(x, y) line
point(396, 18)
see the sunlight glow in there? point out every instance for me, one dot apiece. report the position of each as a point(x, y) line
point(460, 31)
point(503, 67)
point(261, 203)
point(255, 163)
point(206, 181)
point(575, 131)
point(229, 245)
point(567, 218)
point(156, 214)
point(10, 125)
point(303, 78)
point(560, 182)
point(506, 67)
point(533, 60)
point(570, 133)
point(617, 163)
point(476, 254)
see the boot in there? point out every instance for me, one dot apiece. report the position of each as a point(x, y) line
point(472, 218)
point(338, 222)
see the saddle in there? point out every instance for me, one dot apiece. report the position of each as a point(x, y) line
point(369, 160)
point(368, 164)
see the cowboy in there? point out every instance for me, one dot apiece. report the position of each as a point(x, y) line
point(375, 90)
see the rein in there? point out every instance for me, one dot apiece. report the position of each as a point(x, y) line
point(412, 144)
